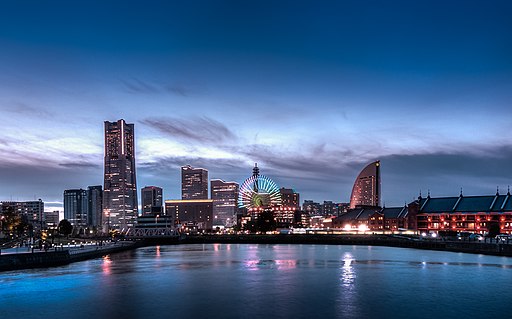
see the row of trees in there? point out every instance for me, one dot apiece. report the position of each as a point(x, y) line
point(17, 224)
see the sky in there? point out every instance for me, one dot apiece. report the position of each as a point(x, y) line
point(312, 91)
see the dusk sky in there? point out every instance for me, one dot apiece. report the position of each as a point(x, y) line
point(310, 90)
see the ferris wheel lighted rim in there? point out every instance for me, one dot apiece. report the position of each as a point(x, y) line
point(265, 185)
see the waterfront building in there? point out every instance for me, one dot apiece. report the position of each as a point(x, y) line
point(194, 183)
point(151, 197)
point(290, 198)
point(75, 207)
point(374, 219)
point(52, 219)
point(95, 206)
point(198, 212)
point(342, 208)
point(366, 189)
point(302, 219)
point(311, 207)
point(30, 211)
point(285, 216)
point(478, 214)
point(328, 208)
point(153, 220)
point(225, 202)
point(120, 204)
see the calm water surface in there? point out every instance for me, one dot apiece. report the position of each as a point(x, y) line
point(278, 281)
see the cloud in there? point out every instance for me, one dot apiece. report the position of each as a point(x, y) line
point(81, 165)
point(29, 181)
point(178, 90)
point(23, 109)
point(138, 86)
point(197, 129)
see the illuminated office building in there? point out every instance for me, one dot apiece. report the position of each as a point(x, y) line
point(366, 190)
point(151, 197)
point(194, 183)
point(225, 197)
point(120, 187)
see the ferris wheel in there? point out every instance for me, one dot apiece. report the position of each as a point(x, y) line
point(259, 191)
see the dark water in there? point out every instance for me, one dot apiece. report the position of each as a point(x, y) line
point(254, 281)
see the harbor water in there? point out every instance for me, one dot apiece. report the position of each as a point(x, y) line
point(256, 281)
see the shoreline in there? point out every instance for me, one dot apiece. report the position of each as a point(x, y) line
point(57, 257)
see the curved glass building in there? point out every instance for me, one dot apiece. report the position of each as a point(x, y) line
point(366, 190)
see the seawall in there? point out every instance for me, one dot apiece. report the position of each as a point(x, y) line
point(60, 257)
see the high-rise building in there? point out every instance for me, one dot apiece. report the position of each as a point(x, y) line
point(225, 206)
point(120, 187)
point(194, 183)
point(366, 190)
point(95, 206)
point(75, 206)
point(289, 197)
point(151, 197)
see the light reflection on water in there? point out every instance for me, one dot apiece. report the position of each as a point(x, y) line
point(249, 281)
point(347, 271)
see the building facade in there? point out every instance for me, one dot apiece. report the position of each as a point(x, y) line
point(30, 211)
point(366, 189)
point(375, 219)
point(152, 199)
point(120, 204)
point(52, 219)
point(194, 183)
point(196, 213)
point(476, 214)
point(76, 205)
point(289, 197)
point(225, 202)
point(95, 206)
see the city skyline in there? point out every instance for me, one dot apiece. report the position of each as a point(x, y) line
point(312, 92)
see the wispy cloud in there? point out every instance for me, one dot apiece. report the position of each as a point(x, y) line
point(20, 108)
point(80, 165)
point(138, 86)
point(197, 129)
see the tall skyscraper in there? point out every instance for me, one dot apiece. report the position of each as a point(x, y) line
point(194, 183)
point(95, 206)
point(225, 206)
point(151, 197)
point(120, 187)
point(366, 190)
point(76, 206)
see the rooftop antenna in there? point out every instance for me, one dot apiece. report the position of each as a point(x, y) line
point(497, 190)
point(428, 193)
point(461, 191)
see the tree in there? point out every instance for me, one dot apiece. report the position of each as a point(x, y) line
point(65, 227)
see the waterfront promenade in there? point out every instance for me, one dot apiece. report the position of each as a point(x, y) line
point(27, 257)
point(24, 257)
